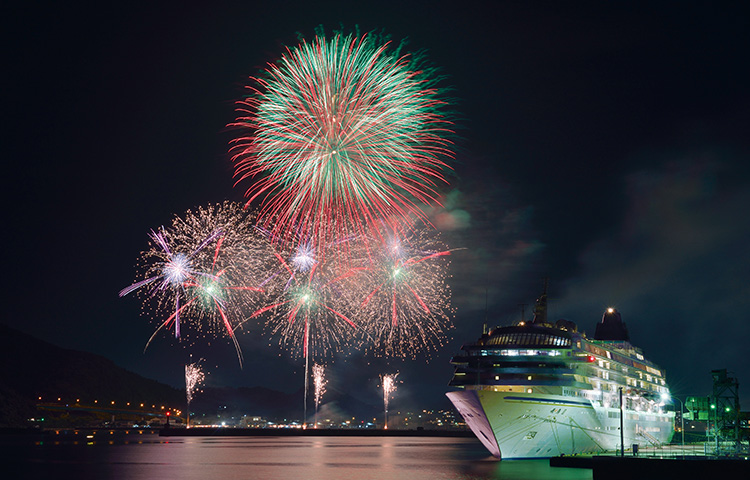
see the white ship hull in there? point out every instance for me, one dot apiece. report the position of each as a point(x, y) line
point(530, 425)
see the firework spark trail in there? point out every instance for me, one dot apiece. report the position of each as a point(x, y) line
point(319, 385)
point(194, 378)
point(389, 386)
point(208, 262)
point(310, 304)
point(407, 305)
point(343, 128)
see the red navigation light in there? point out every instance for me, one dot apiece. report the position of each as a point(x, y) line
point(590, 359)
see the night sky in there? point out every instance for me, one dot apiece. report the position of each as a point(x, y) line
point(605, 145)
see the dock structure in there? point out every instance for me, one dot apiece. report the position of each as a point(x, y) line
point(628, 468)
point(673, 461)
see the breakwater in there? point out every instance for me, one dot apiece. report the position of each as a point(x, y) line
point(309, 432)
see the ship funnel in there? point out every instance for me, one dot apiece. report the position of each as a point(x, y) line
point(611, 327)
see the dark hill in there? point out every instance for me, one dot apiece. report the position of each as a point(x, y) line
point(31, 368)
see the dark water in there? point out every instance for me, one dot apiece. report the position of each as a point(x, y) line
point(147, 456)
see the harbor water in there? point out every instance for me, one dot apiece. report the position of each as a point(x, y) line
point(144, 455)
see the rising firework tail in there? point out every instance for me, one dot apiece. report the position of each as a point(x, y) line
point(389, 386)
point(319, 386)
point(194, 378)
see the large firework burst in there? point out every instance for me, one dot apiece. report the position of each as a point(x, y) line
point(203, 270)
point(407, 301)
point(312, 298)
point(342, 132)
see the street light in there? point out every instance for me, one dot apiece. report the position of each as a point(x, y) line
point(664, 397)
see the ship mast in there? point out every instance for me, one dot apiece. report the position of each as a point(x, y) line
point(540, 309)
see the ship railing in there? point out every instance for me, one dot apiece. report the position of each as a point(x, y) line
point(725, 449)
point(672, 450)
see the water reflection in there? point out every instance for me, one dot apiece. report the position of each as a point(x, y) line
point(134, 456)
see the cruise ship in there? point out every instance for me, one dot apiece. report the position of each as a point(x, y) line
point(539, 390)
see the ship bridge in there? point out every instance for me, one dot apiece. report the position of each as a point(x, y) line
point(517, 356)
